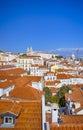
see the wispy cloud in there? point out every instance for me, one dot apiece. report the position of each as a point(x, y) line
point(69, 49)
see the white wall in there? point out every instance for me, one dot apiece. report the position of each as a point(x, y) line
point(80, 112)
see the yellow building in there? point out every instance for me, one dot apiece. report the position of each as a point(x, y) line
point(54, 68)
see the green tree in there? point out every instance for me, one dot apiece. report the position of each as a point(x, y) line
point(59, 98)
point(62, 102)
point(48, 94)
point(63, 90)
point(59, 57)
point(61, 95)
point(1, 51)
point(53, 99)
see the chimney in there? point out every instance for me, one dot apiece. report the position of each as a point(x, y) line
point(7, 93)
point(54, 109)
point(70, 91)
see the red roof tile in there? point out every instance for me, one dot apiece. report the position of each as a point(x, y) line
point(16, 71)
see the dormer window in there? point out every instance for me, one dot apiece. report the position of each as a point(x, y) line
point(8, 120)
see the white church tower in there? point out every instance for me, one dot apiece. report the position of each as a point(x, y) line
point(29, 51)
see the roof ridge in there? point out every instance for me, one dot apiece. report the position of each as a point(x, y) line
point(13, 106)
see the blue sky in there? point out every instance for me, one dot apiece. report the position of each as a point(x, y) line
point(43, 24)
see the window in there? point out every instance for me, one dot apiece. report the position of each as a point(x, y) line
point(8, 120)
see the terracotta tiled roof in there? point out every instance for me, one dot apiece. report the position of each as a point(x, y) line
point(34, 78)
point(23, 88)
point(47, 73)
point(55, 126)
point(72, 119)
point(62, 70)
point(25, 92)
point(9, 106)
point(53, 90)
point(76, 95)
point(69, 122)
point(29, 116)
point(43, 67)
point(8, 77)
point(19, 81)
point(52, 60)
point(6, 84)
point(64, 76)
point(14, 60)
point(7, 66)
point(50, 83)
point(16, 71)
point(34, 65)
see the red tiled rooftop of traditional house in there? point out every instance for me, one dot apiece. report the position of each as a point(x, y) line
point(40, 67)
point(25, 91)
point(51, 83)
point(52, 60)
point(76, 95)
point(22, 86)
point(30, 114)
point(34, 65)
point(64, 76)
point(49, 73)
point(67, 120)
point(9, 106)
point(72, 119)
point(30, 118)
point(76, 86)
point(78, 76)
point(34, 78)
point(7, 67)
point(56, 126)
point(6, 84)
point(16, 71)
point(81, 64)
point(53, 90)
point(51, 65)
point(43, 67)
point(21, 81)
point(14, 60)
point(63, 70)
point(8, 77)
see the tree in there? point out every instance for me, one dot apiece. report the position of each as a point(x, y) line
point(48, 94)
point(63, 90)
point(1, 51)
point(61, 95)
point(59, 57)
point(62, 102)
point(59, 98)
point(54, 99)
